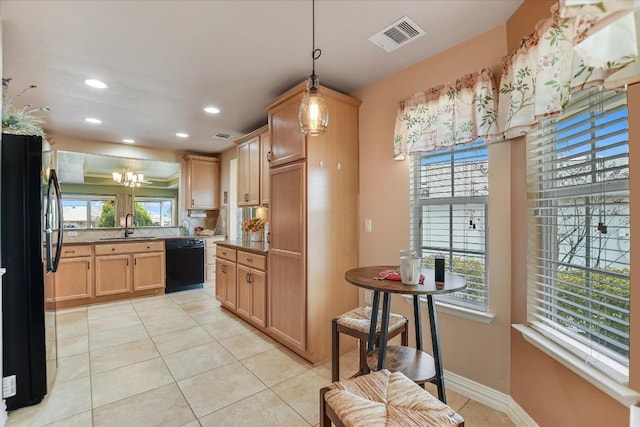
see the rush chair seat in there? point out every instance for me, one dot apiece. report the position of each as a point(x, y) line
point(356, 323)
point(383, 398)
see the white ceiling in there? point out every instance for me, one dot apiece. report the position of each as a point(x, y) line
point(166, 60)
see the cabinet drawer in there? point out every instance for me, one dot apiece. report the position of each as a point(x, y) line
point(210, 273)
point(126, 248)
point(75, 251)
point(252, 260)
point(225, 253)
point(210, 256)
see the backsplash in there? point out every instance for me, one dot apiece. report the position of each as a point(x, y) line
point(111, 233)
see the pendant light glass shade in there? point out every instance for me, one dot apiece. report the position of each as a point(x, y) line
point(314, 113)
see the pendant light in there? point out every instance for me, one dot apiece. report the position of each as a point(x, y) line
point(314, 113)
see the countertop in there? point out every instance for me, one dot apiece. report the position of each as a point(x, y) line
point(135, 239)
point(257, 247)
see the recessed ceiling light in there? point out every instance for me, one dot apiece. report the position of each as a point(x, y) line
point(128, 141)
point(212, 110)
point(96, 83)
point(182, 135)
point(93, 120)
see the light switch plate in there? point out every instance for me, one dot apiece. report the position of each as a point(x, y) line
point(367, 225)
point(8, 386)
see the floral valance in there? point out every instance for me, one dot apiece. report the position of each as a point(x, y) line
point(538, 78)
point(447, 115)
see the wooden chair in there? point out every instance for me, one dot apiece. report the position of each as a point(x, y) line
point(356, 323)
point(383, 398)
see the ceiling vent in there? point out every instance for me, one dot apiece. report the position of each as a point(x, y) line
point(398, 34)
point(220, 135)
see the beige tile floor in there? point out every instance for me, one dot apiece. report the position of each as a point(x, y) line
point(181, 360)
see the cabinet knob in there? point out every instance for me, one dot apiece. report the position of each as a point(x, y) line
point(248, 279)
point(193, 202)
point(113, 249)
point(269, 156)
point(249, 259)
point(69, 252)
point(88, 265)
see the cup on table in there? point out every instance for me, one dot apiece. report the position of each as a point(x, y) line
point(410, 270)
point(404, 252)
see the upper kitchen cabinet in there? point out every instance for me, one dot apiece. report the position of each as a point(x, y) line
point(288, 144)
point(202, 182)
point(313, 210)
point(265, 158)
point(253, 166)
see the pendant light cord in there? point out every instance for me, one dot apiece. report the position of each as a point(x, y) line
point(315, 53)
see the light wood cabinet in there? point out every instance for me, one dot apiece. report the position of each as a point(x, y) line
point(148, 271)
point(122, 268)
point(249, 172)
point(265, 160)
point(226, 283)
point(103, 272)
point(253, 148)
point(113, 274)
point(226, 276)
point(252, 287)
point(210, 261)
point(74, 278)
point(202, 177)
point(310, 249)
point(288, 144)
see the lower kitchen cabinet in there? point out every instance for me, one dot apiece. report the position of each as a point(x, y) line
point(74, 278)
point(226, 283)
point(103, 272)
point(113, 274)
point(148, 271)
point(252, 288)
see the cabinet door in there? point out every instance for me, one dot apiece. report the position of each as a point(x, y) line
point(258, 308)
point(73, 280)
point(148, 271)
point(113, 274)
point(265, 152)
point(204, 184)
point(221, 281)
point(226, 283)
point(288, 143)
point(286, 315)
point(244, 291)
point(249, 173)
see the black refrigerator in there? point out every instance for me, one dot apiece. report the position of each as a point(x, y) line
point(30, 213)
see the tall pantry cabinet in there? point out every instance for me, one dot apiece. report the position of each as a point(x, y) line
point(314, 222)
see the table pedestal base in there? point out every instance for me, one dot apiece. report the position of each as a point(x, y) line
point(415, 364)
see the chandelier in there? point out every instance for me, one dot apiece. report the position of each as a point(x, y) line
point(128, 178)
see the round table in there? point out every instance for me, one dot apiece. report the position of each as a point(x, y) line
point(414, 363)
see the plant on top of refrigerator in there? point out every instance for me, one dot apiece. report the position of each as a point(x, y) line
point(20, 121)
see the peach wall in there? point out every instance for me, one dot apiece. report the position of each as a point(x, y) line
point(491, 354)
point(477, 351)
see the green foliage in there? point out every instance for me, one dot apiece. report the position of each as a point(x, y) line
point(471, 269)
point(108, 215)
point(608, 315)
point(142, 216)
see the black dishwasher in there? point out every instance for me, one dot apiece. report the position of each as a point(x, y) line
point(184, 264)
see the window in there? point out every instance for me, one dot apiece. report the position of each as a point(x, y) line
point(155, 212)
point(578, 230)
point(449, 191)
point(88, 211)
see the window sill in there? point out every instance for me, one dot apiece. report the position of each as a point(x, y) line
point(619, 392)
point(455, 310)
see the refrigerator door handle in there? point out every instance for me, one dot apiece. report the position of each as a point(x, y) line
point(52, 264)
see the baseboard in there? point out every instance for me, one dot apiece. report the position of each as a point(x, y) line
point(490, 397)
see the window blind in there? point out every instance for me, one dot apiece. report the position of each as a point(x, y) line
point(579, 228)
point(449, 190)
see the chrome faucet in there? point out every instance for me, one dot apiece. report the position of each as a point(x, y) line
point(127, 230)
